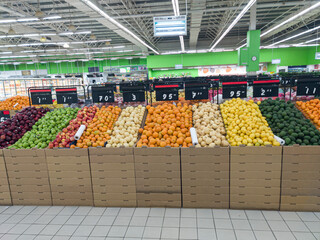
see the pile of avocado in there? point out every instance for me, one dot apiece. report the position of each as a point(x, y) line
point(288, 123)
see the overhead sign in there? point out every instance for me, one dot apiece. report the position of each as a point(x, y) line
point(170, 26)
point(317, 55)
point(276, 61)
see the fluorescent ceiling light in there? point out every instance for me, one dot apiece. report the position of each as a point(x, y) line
point(6, 52)
point(306, 45)
point(51, 17)
point(125, 51)
point(27, 19)
point(297, 35)
point(129, 58)
point(66, 33)
point(31, 35)
point(102, 13)
point(163, 69)
point(313, 40)
point(48, 34)
point(169, 33)
point(114, 58)
point(8, 20)
point(244, 10)
point(175, 5)
point(119, 47)
point(30, 62)
point(292, 18)
point(182, 43)
point(83, 32)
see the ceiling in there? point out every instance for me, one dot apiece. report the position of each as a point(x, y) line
point(207, 20)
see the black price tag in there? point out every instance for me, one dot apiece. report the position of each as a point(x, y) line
point(265, 91)
point(285, 82)
point(234, 90)
point(4, 115)
point(167, 95)
point(41, 96)
point(102, 95)
point(136, 96)
point(67, 95)
point(196, 93)
point(308, 88)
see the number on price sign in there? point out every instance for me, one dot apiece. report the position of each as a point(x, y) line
point(196, 93)
point(4, 115)
point(265, 91)
point(136, 96)
point(41, 96)
point(67, 95)
point(167, 95)
point(308, 88)
point(234, 91)
point(102, 94)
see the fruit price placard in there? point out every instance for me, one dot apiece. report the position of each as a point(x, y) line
point(197, 91)
point(308, 88)
point(102, 94)
point(136, 96)
point(167, 92)
point(234, 90)
point(66, 95)
point(4, 115)
point(266, 88)
point(41, 96)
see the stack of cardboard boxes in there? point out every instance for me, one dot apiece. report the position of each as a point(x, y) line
point(158, 178)
point(5, 197)
point(113, 177)
point(70, 177)
point(28, 176)
point(255, 177)
point(300, 189)
point(205, 177)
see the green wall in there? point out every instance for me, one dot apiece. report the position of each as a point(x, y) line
point(179, 72)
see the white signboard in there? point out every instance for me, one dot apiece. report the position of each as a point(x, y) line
point(276, 61)
point(170, 26)
point(178, 66)
point(317, 55)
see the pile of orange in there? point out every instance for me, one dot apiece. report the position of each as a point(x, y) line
point(311, 110)
point(167, 125)
point(99, 129)
point(15, 103)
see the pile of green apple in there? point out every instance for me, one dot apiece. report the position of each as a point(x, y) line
point(46, 129)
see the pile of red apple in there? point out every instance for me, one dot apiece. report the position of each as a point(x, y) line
point(13, 129)
point(66, 137)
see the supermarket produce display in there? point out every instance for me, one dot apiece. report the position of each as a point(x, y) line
point(15, 103)
point(287, 122)
point(245, 124)
point(311, 110)
point(46, 129)
point(13, 129)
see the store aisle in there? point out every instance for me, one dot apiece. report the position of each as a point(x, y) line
point(41, 222)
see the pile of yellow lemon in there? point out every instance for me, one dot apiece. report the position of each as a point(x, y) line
point(245, 124)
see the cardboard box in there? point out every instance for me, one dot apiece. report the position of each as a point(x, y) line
point(156, 155)
point(158, 174)
point(114, 189)
point(32, 201)
point(115, 203)
point(157, 166)
point(256, 190)
point(254, 205)
point(68, 167)
point(223, 166)
point(158, 181)
point(300, 175)
point(159, 199)
point(206, 197)
point(162, 188)
point(253, 174)
point(298, 191)
point(113, 174)
point(112, 166)
point(205, 189)
point(24, 156)
point(114, 181)
point(262, 182)
point(29, 188)
point(70, 174)
point(115, 196)
point(205, 174)
point(29, 181)
point(5, 196)
point(30, 195)
point(205, 182)
point(72, 202)
point(30, 167)
point(206, 204)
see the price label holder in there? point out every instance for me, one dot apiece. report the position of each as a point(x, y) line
point(266, 88)
point(308, 87)
point(196, 91)
point(234, 89)
point(41, 96)
point(66, 95)
point(103, 94)
point(4, 115)
point(133, 92)
point(214, 83)
point(285, 82)
point(167, 92)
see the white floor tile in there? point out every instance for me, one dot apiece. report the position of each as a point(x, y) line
point(50, 230)
point(27, 237)
point(54, 210)
point(75, 220)
point(96, 211)
point(4, 217)
point(223, 234)
point(35, 229)
point(304, 236)
point(30, 218)
point(98, 238)
point(188, 222)
point(43, 237)
point(188, 212)
point(204, 213)
point(264, 235)
point(59, 220)
point(78, 238)
point(100, 231)
point(241, 224)
point(68, 210)
point(12, 210)
point(67, 230)
point(188, 233)
point(284, 236)
point(111, 211)
point(254, 214)
point(297, 226)
point(308, 216)
point(223, 224)
point(126, 212)
point(40, 210)
point(170, 233)
point(157, 212)
point(117, 231)
point(154, 222)
point(141, 212)
point(220, 213)
point(91, 220)
point(152, 232)
point(5, 227)
point(206, 234)
point(138, 221)
point(134, 232)
point(122, 221)
point(290, 216)
point(237, 214)
point(26, 210)
point(60, 238)
point(10, 236)
point(3, 208)
point(172, 212)
point(317, 214)
point(205, 223)
point(82, 211)
point(44, 219)
point(15, 219)
point(244, 235)
point(19, 228)
point(106, 220)
point(259, 225)
point(278, 226)
point(83, 231)
point(171, 222)
point(272, 216)
point(313, 226)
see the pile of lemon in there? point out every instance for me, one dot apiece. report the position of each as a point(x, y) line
point(245, 124)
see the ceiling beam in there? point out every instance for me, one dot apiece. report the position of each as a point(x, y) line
point(195, 22)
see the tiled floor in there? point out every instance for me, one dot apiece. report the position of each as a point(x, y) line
point(78, 223)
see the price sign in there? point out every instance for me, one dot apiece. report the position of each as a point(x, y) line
point(41, 96)
point(196, 93)
point(285, 82)
point(308, 88)
point(167, 95)
point(4, 115)
point(136, 96)
point(102, 94)
point(266, 88)
point(67, 95)
point(234, 90)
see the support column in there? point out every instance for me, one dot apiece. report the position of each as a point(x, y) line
point(251, 45)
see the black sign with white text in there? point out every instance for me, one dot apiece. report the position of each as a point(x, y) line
point(41, 96)
point(311, 88)
point(234, 90)
point(67, 95)
point(102, 94)
point(4, 115)
point(134, 96)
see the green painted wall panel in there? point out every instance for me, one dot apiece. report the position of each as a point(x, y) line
point(160, 73)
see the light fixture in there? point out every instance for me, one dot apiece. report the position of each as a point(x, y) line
point(176, 11)
point(11, 31)
point(31, 35)
point(313, 40)
point(235, 21)
point(51, 17)
point(66, 45)
point(114, 58)
point(7, 20)
point(30, 62)
point(112, 20)
point(31, 19)
point(182, 43)
point(129, 58)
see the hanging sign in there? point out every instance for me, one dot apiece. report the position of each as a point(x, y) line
point(308, 88)
point(66, 95)
point(4, 115)
point(167, 92)
point(234, 89)
point(41, 96)
point(266, 88)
